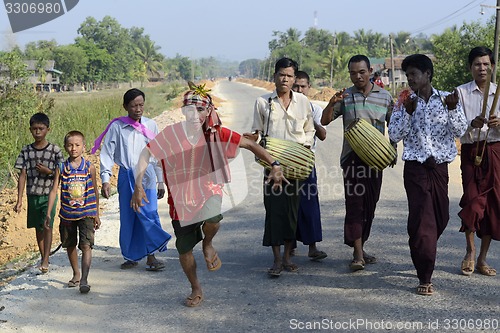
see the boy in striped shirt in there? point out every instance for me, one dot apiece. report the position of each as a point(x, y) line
point(79, 207)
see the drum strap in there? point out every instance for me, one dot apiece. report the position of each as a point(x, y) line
point(270, 101)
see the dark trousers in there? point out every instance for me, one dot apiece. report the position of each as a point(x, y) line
point(362, 191)
point(428, 212)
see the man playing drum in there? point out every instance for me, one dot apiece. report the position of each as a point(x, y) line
point(286, 115)
point(362, 184)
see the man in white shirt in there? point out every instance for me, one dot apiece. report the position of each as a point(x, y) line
point(480, 202)
point(285, 115)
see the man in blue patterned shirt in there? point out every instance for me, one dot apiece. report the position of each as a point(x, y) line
point(428, 121)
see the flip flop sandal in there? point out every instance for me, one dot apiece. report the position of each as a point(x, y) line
point(357, 265)
point(275, 271)
point(155, 266)
point(213, 264)
point(369, 259)
point(425, 289)
point(128, 264)
point(467, 267)
point(486, 270)
point(84, 288)
point(318, 255)
point(291, 268)
point(191, 301)
point(72, 284)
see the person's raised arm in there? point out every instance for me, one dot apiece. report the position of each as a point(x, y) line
point(276, 174)
point(328, 112)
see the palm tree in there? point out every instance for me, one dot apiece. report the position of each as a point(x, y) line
point(148, 54)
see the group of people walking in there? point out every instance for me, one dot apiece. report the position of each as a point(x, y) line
point(189, 162)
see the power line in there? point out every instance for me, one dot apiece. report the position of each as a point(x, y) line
point(457, 13)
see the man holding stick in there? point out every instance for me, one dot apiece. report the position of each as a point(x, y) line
point(480, 162)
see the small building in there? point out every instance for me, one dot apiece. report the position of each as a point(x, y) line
point(50, 76)
point(399, 75)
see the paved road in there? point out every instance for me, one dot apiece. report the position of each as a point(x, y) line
point(240, 297)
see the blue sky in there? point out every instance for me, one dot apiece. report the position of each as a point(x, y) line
point(239, 30)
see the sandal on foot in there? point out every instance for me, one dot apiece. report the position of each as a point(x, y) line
point(467, 267)
point(357, 265)
point(72, 284)
point(155, 266)
point(291, 268)
point(318, 255)
point(213, 264)
point(426, 289)
point(192, 302)
point(486, 270)
point(369, 259)
point(84, 288)
point(128, 264)
point(275, 271)
point(43, 269)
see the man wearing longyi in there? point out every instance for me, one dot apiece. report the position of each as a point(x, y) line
point(480, 162)
point(141, 234)
point(362, 184)
point(286, 115)
point(428, 121)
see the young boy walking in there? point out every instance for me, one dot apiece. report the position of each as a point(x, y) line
point(37, 163)
point(79, 207)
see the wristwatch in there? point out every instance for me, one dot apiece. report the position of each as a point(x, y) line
point(275, 163)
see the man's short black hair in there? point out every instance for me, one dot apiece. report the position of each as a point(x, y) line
point(359, 58)
point(285, 63)
point(419, 61)
point(40, 118)
point(480, 51)
point(302, 75)
point(132, 94)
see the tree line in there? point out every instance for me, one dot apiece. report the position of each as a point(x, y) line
point(324, 55)
point(104, 51)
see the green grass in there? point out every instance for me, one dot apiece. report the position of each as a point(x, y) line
point(88, 113)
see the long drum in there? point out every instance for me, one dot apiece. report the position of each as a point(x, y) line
point(369, 144)
point(296, 160)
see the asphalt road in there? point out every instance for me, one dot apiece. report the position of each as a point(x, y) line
point(240, 297)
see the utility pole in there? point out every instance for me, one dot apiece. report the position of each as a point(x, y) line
point(497, 33)
point(331, 65)
point(393, 81)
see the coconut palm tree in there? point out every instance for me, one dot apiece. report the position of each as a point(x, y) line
point(149, 56)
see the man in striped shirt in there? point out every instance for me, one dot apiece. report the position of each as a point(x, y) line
point(362, 184)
